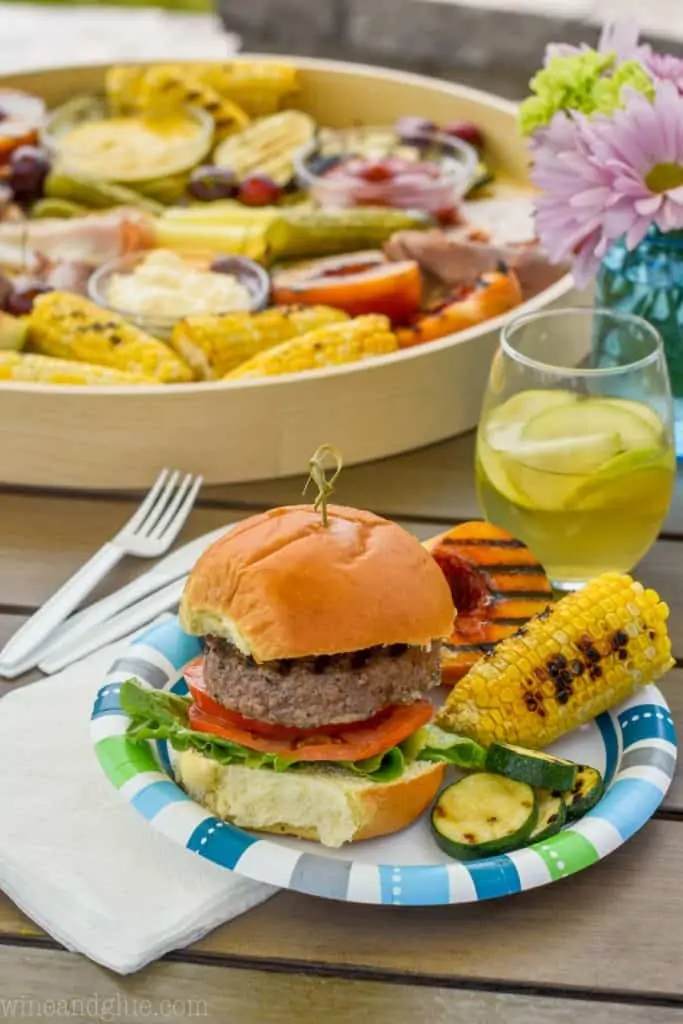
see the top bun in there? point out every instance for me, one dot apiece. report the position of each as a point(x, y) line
point(281, 585)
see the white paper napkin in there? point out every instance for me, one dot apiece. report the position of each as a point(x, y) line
point(79, 860)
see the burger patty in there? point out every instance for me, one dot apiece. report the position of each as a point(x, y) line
point(329, 689)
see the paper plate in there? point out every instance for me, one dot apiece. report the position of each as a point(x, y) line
point(634, 746)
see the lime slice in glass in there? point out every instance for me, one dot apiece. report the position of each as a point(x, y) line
point(639, 479)
point(592, 416)
point(510, 417)
point(494, 468)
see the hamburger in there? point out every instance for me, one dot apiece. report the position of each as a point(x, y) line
point(306, 714)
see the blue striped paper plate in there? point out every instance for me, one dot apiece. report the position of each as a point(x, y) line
point(634, 746)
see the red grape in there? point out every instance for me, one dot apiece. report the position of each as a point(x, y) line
point(209, 183)
point(466, 132)
point(416, 130)
point(28, 169)
point(20, 300)
point(259, 190)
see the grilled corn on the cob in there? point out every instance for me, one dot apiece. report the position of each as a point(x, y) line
point(215, 345)
point(70, 327)
point(567, 665)
point(32, 369)
point(333, 345)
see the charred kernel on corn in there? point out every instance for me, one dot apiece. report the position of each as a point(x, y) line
point(333, 345)
point(68, 326)
point(215, 345)
point(32, 369)
point(583, 661)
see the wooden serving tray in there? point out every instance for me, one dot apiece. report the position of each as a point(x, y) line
point(119, 437)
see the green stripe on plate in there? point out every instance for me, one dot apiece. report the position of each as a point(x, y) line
point(566, 853)
point(122, 758)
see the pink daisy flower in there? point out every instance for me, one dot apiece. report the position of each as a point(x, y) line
point(610, 177)
point(665, 68)
point(575, 189)
point(620, 37)
point(641, 148)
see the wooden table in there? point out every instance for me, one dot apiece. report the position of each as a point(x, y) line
point(604, 945)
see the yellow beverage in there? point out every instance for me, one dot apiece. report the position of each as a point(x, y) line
point(585, 482)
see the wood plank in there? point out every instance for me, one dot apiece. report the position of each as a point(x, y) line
point(434, 483)
point(37, 979)
point(595, 924)
point(44, 540)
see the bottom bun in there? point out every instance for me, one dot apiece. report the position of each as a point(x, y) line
point(329, 805)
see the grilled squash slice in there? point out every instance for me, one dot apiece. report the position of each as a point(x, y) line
point(497, 585)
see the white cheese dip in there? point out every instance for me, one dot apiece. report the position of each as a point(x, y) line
point(165, 286)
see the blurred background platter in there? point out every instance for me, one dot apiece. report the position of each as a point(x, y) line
point(119, 437)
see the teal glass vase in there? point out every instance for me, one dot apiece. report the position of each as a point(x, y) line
point(649, 283)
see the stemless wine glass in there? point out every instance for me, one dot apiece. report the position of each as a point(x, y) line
point(575, 452)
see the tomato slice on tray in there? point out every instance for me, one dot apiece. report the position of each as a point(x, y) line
point(352, 741)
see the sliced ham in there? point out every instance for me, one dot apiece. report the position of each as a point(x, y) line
point(458, 257)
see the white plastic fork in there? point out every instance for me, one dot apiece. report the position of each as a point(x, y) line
point(149, 532)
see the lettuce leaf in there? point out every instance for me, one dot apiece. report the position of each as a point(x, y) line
point(160, 715)
point(439, 745)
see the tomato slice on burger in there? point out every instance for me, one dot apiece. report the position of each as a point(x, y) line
point(346, 742)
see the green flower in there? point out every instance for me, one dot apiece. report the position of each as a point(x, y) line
point(588, 82)
point(607, 91)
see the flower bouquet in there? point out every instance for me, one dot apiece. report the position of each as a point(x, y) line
point(606, 133)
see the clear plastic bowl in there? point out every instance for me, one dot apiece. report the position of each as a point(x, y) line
point(250, 274)
point(455, 163)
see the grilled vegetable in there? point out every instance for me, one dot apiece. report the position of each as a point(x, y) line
point(168, 189)
point(595, 648)
point(166, 88)
point(299, 233)
point(33, 369)
point(552, 814)
point(585, 793)
point(494, 294)
point(534, 767)
point(70, 327)
point(228, 212)
point(96, 193)
point(258, 88)
point(215, 345)
point(267, 146)
point(333, 345)
point(62, 208)
point(483, 815)
point(362, 282)
point(136, 147)
point(497, 585)
point(218, 238)
point(13, 331)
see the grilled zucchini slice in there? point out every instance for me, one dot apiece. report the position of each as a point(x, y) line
point(587, 790)
point(552, 814)
point(531, 766)
point(483, 815)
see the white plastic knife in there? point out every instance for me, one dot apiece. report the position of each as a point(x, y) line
point(115, 628)
point(84, 623)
